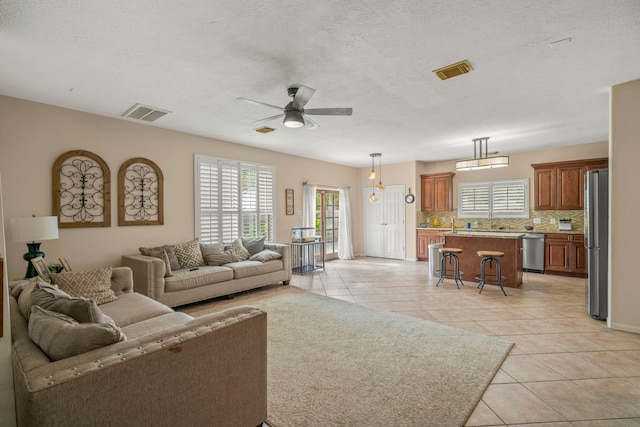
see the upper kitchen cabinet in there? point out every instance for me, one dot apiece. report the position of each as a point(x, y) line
point(437, 192)
point(560, 185)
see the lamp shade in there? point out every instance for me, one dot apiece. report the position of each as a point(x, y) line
point(34, 228)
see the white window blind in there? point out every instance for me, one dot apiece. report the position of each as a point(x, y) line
point(503, 199)
point(233, 199)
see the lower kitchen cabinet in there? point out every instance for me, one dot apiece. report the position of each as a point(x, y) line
point(565, 254)
point(426, 238)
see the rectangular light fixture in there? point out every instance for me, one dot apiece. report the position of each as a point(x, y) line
point(480, 160)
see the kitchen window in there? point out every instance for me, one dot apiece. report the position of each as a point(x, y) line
point(233, 199)
point(501, 199)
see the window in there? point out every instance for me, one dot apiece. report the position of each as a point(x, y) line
point(233, 199)
point(503, 199)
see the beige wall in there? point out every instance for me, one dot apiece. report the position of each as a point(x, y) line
point(33, 135)
point(624, 207)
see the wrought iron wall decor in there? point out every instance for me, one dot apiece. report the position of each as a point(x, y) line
point(140, 193)
point(81, 190)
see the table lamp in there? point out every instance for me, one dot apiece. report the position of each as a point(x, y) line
point(33, 230)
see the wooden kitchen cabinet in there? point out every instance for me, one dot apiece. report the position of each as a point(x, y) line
point(436, 192)
point(565, 254)
point(560, 185)
point(426, 238)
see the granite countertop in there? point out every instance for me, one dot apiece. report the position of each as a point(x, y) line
point(498, 230)
point(486, 234)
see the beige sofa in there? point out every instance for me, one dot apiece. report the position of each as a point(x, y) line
point(187, 285)
point(170, 370)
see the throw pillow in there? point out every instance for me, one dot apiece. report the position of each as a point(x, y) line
point(162, 254)
point(253, 244)
point(83, 310)
point(92, 284)
point(24, 300)
point(239, 251)
point(189, 254)
point(59, 336)
point(266, 255)
point(216, 254)
point(169, 249)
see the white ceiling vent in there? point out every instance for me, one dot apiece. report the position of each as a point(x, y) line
point(144, 112)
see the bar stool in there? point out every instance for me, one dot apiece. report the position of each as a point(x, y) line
point(450, 254)
point(492, 279)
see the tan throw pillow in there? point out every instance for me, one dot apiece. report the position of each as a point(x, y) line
point(253, 244)
point(24, 300)
point(169, 249)
point(92, 284)
point(239, 251)
point(265, 255)
point(162, 254)
point(83, 310)
point(189, 254)
point(215, 254)
point(59, 336)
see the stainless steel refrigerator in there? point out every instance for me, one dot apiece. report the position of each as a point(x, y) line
point(596, 233)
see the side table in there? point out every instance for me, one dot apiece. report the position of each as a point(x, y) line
point(307, 256)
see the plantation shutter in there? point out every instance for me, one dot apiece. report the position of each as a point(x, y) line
point(232, 200)
point(503, 199)
point(508, 198)
point(473, 200)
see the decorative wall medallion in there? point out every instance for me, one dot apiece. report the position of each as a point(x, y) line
point(140, 193)
point(81, 190)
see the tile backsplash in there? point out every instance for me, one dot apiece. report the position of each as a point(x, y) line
point(545, 226)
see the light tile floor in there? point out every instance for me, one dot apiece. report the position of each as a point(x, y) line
point(565, 369)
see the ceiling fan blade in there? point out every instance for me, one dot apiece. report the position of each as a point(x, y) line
point(329, 111)
point(310, 123)
point(268, 119)
point(251, 101)
point(303, 95)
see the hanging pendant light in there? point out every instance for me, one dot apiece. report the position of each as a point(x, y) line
point(380, 185)
point(372, 177)
point(482, 161)
point(372, 174)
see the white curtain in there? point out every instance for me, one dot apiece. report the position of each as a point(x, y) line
point(345, 245)
point(309, 205)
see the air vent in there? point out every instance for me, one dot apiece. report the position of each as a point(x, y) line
point(145, 113)
point(264, 129)
point(453, 70)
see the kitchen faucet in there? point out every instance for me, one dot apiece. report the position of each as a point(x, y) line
point(453, 228)
point(491, 220)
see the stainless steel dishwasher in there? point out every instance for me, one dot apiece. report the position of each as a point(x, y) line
point(533, 252)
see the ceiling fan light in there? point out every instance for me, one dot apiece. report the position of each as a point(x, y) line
point(293, 119)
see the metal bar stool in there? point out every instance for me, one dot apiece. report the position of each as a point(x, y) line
point(492, 279)
point(450, 254)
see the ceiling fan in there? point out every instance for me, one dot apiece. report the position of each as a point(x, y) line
point(294, 113)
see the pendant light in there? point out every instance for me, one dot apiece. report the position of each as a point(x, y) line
point(482, 161)
point(372, 177)
point(380, 185)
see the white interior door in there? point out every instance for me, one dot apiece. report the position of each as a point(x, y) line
point(384, 224)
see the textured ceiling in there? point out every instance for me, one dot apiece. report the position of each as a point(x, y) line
point(195, 57)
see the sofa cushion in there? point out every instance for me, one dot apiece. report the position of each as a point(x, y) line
point(24, 299)
point(171, 253)
point(162, 254)
point(60, 336)
point(92, 284)
point(154, 324)
point(207, 275)
point(83, 310)
point(243, 269)
point(132, 308)
point(189, 254)
point(240, 252)
point(265, 255)
point(215, 254)
point(253, 244)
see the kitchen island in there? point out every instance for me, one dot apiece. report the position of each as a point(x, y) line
point(471, 242)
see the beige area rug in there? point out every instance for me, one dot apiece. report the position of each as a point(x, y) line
point(335, 363)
